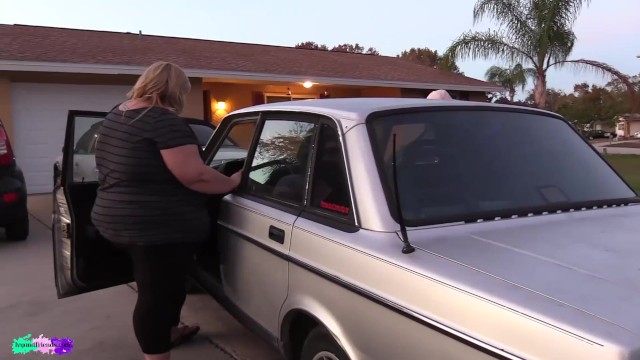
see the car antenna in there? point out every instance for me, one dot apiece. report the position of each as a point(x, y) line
point(407, 248)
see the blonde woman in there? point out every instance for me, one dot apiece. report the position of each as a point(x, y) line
point(151, 200)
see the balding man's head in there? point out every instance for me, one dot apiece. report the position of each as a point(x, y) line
point(439, 95)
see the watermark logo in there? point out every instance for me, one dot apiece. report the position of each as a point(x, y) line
point(41, 344)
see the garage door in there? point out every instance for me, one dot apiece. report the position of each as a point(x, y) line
point(39, 119)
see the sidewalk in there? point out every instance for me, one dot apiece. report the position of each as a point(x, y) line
point(602, 147)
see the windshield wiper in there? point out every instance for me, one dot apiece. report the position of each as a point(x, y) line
point(407, 248)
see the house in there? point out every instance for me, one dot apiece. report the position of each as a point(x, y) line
point(45, 71)
point(627, 125)
point(600, 125)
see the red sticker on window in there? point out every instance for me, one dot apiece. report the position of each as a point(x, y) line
point(334, 207)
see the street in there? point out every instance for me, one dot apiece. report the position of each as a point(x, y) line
point(98, 323)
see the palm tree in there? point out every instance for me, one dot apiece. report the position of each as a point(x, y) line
point(536, 33)
point(509, 78)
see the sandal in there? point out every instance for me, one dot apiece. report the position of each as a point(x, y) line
point(186, 333)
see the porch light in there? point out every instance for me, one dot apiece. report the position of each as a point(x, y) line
point(307, 84)
point(221, 106)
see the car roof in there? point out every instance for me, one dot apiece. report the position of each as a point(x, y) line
point(358, 109)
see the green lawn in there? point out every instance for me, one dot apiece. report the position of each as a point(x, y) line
point(628, 166)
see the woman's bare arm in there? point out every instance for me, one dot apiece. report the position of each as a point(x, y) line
point(187, 166)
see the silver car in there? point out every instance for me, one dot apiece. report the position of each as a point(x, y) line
point(404, 229)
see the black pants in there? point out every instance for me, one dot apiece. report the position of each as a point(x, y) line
point(160, 272)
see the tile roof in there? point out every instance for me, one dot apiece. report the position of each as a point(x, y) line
point(59, 45)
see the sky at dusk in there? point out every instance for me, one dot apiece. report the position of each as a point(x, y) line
point(608, 31)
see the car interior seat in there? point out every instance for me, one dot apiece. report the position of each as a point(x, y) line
point(289, 180)
point(330, 171)
point(430, 177)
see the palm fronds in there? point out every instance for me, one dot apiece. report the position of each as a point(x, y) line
point(487, 45)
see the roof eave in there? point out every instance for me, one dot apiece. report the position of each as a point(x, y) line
point(34, 66)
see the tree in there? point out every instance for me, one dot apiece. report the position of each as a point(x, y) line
point(498, 98)
point(587, 104)
point(555, 99)
point(349, 48)
point(283, 145)
point(509, 78)
point(621, 92)
point(535, 33)
point(311, 45)
point(430, 58)
point(355, 48)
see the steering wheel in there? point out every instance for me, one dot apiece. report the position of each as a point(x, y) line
point(230, 167)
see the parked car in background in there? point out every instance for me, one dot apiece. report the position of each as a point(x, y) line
point(599, 134)
point(14, 217)
point(402, 229)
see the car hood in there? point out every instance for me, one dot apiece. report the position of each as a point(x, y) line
point(586, 260)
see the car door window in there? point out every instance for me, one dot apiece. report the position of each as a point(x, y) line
point(86, 130)
point(279, 168)
point(86, 138)
point(330, 192)
point(203, 133)
point(236, 143)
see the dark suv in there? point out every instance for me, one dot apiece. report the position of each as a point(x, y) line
point(13, 193)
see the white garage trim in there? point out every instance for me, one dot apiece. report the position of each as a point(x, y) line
point(39, 117)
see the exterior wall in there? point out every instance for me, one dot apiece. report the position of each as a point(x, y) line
point(477, 96)
point(620, 128)
point(241, 95)
point(69, 78)
point(5, 107)
point(381, 92)
point(634, 126)
point(464, 95)
point(238, 96)
point(626, 126)
point(193, 104)
point(235, 95)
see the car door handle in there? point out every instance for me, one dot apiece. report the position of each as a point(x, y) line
point(276, 234)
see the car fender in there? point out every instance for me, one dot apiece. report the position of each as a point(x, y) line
point(323, 316)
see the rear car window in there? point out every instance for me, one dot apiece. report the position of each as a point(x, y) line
point(455, 165)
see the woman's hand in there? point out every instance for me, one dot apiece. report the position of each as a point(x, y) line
point(237, 177)
point(186, 165)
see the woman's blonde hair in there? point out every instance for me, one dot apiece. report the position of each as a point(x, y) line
point(162, 84)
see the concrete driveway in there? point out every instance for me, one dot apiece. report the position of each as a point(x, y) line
point(99, 323)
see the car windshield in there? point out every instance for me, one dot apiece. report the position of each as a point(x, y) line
point(455, 165)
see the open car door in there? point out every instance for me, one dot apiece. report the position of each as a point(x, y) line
point(202, 129)
point(83, 260)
